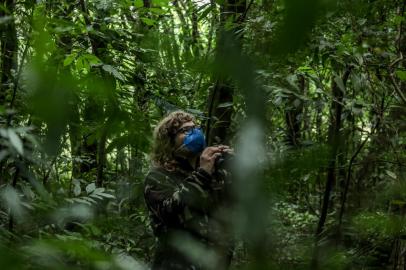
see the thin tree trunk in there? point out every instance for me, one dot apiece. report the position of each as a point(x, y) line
point(398, 256)
point(140, 97)
point(220, 98)
point(9, 50)
point(65, 42)
point(8, 59)
point(94, 149)
point(294, 115)
point(334, 142)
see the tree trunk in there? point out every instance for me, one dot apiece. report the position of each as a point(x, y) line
point(220, 99)
point(8, 61)
point(398, 256)
point(94, 146)
point(140, 97)
point(9, 50)
point(293, 115)
point(334, 142)
point(65, 43)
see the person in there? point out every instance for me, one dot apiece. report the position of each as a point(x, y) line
point(186, 198)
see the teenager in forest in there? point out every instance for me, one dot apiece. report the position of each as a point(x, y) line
point(186, 197)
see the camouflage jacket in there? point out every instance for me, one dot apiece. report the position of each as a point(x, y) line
point(184, 206)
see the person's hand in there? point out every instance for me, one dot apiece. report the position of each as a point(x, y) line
point(208, 157)
point(210, 154)
point(226, 149)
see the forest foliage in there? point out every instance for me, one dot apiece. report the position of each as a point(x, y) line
point(311, 94)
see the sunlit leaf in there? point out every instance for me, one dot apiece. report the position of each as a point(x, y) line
point(225, 105)
point(90, 188)
point(391, 174)
point(12, 200)
point(77, 190)
point(148, 21)
point(69, 59)
point(110, 69)
point(16, 141)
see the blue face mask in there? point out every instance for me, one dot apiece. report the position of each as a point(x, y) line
point(194, 141)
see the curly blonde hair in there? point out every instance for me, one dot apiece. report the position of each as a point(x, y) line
point(164, 138)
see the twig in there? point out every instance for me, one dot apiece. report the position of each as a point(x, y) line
point(397, 60)
point(397, 88)
point(244, 15)
point(348, 178)
point(17, 78)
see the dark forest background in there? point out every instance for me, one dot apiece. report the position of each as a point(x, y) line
point(311, 94)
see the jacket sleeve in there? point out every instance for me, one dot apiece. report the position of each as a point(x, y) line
point(167, 198)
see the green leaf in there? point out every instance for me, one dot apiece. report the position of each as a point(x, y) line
point(92, 59)
point(401, 74)
point(161, 3)
point(5, 19)
point(398, 202)
point(118, 143)
point(139, 4)
point(225, 105)
point(82, 63)
point(148, 21)
point(98, 190)
point(69, 59)
point(340, 83)
point(16, 141)
point(77, 190)
point(116, 74)
point(90, 188)
point(3, 154)
point(158, 11)
point(106, 195)
point(205, 12)
point(398, 19)
point(11, 199)
point(391, 174)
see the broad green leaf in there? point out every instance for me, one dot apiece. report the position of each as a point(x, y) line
point(161, 3)
point(92, 59)
point(139, 3)
point(158, 11)
point(11, 199)
point(16, 141)
point(106, 195)
point(76, 190)
point(340, 83)
point(90, 188)
point(398, 19)
point(225, 105)
point(3, 154)
point(89, 199)
point(98, 190)
point(391, 174)
point(69, 59)
point(398, 202)
point(5, 19)
point(205, 12)
point(148, 21)
point(116, 74)
point(82, 63)
point(80, 200)
point(118, 143)
point(401, 74)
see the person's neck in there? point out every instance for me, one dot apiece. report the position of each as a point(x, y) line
point(192, 161)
